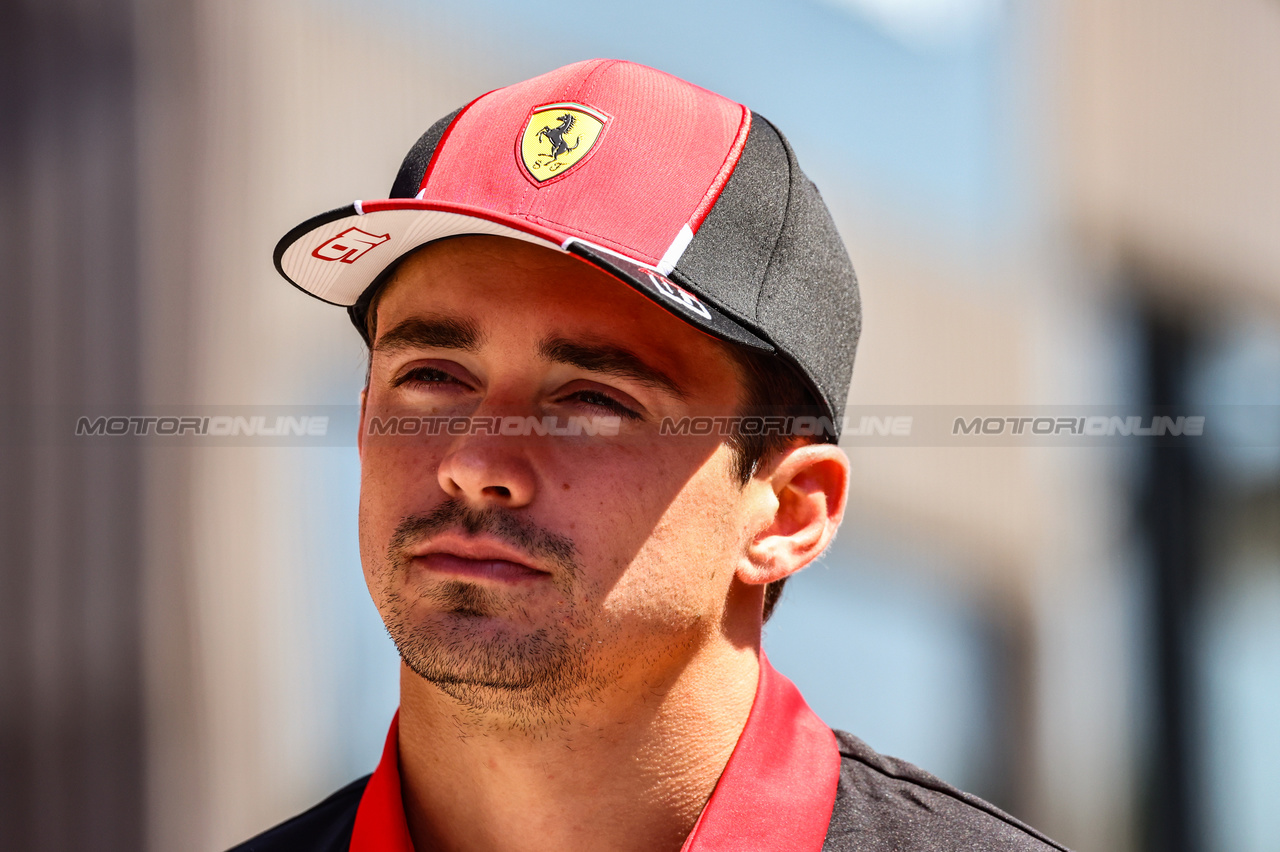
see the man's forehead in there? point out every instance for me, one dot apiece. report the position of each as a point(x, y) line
point(444, 275)
point(453, 278)
point(436, 283)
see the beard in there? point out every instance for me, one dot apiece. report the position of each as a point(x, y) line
point(448, 632)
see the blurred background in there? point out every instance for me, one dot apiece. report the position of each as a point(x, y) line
point(1058, 203)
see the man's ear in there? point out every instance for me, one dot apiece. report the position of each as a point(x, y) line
point(364, 398)
point(809, 486)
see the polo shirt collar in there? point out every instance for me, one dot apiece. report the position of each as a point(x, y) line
point(777, 791)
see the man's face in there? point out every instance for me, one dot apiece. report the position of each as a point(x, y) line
point(523, 574)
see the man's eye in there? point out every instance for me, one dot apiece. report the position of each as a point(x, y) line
point(603, 400)
point(426, 377)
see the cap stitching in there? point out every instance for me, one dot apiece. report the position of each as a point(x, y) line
point(444, 138)
point(727, 167)
point(755, 318)
point(786, 214)
point(589, 80)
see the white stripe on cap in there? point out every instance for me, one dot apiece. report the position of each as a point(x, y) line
point(675, 250)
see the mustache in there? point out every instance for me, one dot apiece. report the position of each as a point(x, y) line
point(502, 524)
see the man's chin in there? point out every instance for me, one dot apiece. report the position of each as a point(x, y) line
point(469, 648)
point(489, 666)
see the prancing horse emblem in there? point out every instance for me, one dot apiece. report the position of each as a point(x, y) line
point(557, 137)
point(558, 146)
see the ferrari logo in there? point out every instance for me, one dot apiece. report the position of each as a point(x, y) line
point(557, 137)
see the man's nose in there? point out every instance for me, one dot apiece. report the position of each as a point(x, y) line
point(488, 470)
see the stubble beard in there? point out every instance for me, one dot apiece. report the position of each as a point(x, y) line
point(527, 681)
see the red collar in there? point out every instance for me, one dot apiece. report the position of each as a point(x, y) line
point(776, 793)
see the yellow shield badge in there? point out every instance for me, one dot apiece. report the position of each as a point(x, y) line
point(557, 137)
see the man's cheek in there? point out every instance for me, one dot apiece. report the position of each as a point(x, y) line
point(400, 464)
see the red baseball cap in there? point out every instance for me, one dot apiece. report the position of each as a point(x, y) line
point(685, 195)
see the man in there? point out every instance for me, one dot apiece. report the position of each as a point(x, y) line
point(611, 330)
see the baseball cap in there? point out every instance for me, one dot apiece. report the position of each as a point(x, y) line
point(688, 197)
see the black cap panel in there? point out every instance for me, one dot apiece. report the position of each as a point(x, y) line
point(729, 256)
point(809, 304)
point(770, 254)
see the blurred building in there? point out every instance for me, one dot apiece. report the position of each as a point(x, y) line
point(1070, 203)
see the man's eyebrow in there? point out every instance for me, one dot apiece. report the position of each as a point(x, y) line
point(607, 359)
point(431, 332)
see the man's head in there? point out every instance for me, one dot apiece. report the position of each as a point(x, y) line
point(579, 286)
point(537, 568)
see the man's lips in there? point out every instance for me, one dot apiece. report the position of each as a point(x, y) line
point(476, 559)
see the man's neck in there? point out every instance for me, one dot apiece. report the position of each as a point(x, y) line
point(620, 773)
